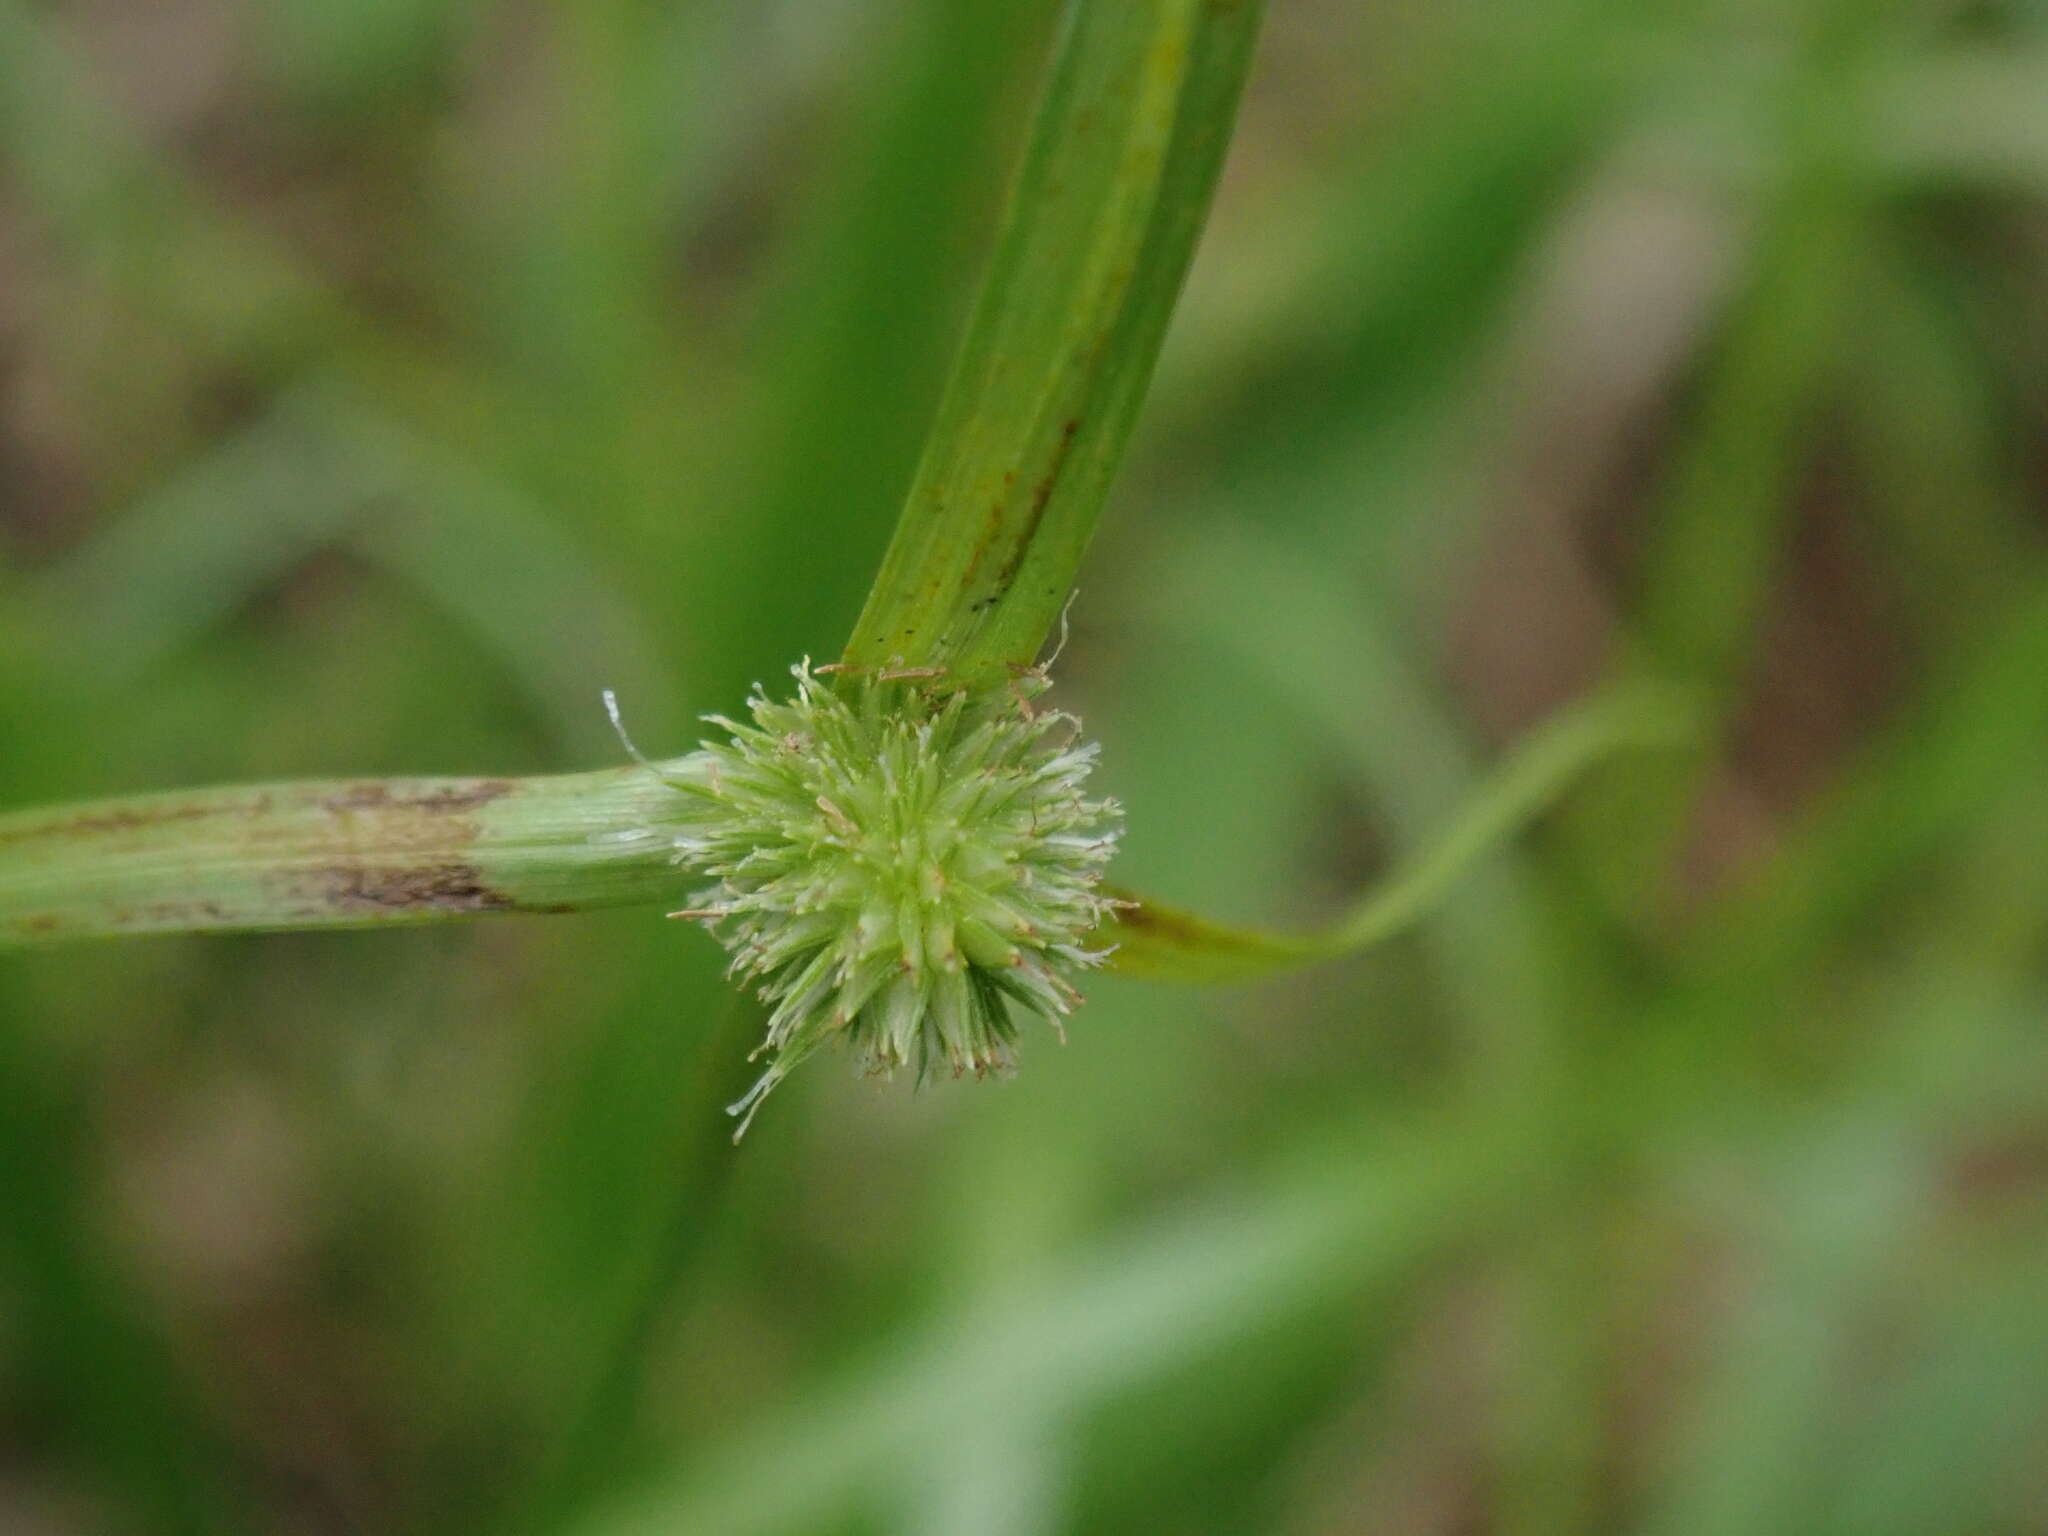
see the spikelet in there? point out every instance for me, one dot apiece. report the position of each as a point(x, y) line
point(907, 869)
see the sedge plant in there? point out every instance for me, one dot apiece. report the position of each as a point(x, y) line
point(902, 851)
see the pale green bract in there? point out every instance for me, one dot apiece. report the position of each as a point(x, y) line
point(897, 863)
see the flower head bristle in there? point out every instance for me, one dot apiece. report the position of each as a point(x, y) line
point(903, 867)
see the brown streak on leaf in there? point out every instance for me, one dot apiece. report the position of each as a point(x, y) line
point(366, 889)
point(443, 800)
point(1041, 494)
point(127, 819)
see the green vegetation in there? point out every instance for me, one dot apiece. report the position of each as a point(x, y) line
point(1552, 378)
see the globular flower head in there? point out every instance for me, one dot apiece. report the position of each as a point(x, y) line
point(898, 863)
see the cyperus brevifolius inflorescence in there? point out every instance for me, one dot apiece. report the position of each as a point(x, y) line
point(897, 862)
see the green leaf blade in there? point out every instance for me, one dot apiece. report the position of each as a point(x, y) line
point(1163, 943)
point(1115, 185)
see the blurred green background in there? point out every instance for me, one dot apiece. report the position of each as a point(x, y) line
point(380, 381)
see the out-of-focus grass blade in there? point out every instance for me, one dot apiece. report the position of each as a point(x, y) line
point(1979, 732)
point(1349, 1213)
point(1757, 1427)
point(1969, 116)
point(1112, 193)
point(78, 1330)
point(135, 220)
point(1155, 940)
point(524, 586)
point(321, 471)
point(193, 550)
point(1925, 421)
point(1950, 1445)
point(1515, 1007)
point(1716, 537)
point(862, 322)
point(1417, 250)
point(129, 217)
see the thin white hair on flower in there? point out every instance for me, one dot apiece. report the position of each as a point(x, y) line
point(902, 865)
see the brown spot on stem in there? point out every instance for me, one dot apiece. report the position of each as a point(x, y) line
point(440, 800)
point(368, 889)
point(129, 819)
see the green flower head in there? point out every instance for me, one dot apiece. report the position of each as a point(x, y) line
point(900, 864)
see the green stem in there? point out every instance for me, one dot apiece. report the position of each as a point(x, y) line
point(1114, 188)
point(1115, 184)
point(334, 853)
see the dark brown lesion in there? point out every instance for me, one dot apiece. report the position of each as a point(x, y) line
point(1041, 494)
point(334, 853)
point(164, 916)
point(444, 799)
point(431, 798)
point(127, 819)
point(365, 890)
point(337, 895)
